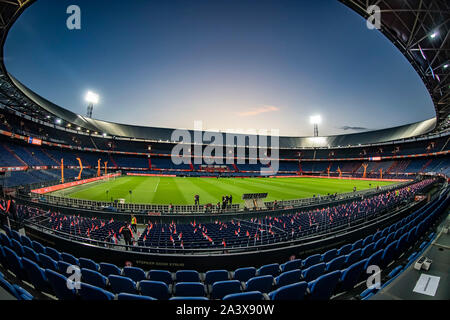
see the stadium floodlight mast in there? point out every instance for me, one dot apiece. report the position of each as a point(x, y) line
point(92, 99)
point(316, 120)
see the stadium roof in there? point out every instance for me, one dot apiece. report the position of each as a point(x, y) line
point(419, 29)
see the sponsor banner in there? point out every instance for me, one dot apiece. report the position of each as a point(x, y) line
point(72, 184)
point(151, 175)
point(8, 169)
point(342, 178)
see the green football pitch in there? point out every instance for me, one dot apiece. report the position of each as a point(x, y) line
point(181, 191)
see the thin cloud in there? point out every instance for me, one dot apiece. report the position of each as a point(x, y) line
point(257, 111)
point(346, 128)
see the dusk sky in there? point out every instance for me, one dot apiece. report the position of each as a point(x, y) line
point(231, 63)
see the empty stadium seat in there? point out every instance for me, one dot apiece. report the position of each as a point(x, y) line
point(189, 289)
point(36, 275)
point(288, 277)
point(160, 275)
point(26, 241)
point(59, 285)
point(323, 287)
point(17, 247)
point(64, 267)
point(244, 274)
point(262, 284)
point(39, 248)
point(291, 265)
point(30, 254)
point(246, 296)
point(345, 249)
point(353, 257)
point(47, 263)
point(351, 275)
point(187, 276)
point(329, 255)
point(135, 274)
point(108, 269)
point(67, 257)
point(128, 296)
point(52, 253)
point(216, 275)
point(367, 240)
point(14, 263)
point(357, 245)
point(367, 250)
point(294, 291)
point(222, 288)
point(90, 292)
point(121, 284)
point(93, 278)
point(88, 264)
point(313, 272)
point(311, 260)
point(156, 289)
point(270, 269)
point(388, 254)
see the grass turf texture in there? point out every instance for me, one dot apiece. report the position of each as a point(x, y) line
point(181, 191)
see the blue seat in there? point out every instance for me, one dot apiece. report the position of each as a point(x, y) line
point(90, 292)
point(336, 264)
point(135, 274)
point(374, 259)
point(402, 245)
point(345, 249)
point(269, 270)
point(93, 278)
point(288, 277)
point(121, 284)
point(323, 287)
point(88, 264)
point(18, 292)
point(389, 238)
point(367, 250)
point(64, 267)
point(47, 263)
point(295, 291)
point(311, 260)
point(313, 272)
point(108, 269)
point(156, 289)
point(216, 275)
point(262, 284)
point(246, 296)
point(17, 247)
point(39, 248)
point(291, 265)
point(30, 254)
point(353, 257)
point(59, 285)
point(189, 298)
point(222, 288)
point(368, 240)
point(187, 276)
point(160, 275)
point(26, 241)
point(128, 296)
point(190, 289)
point(14, 263)
point(244, 274)
point(329, 255)
point(67, 257)
point(2, 257)
point(357, 245)
point(351, 275)
point(5, 240)
point(388, 254)
point(15, 235)
point(379, 244)
point(36, 275)
point(53, 253)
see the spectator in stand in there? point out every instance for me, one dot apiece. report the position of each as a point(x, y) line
point(127, 234)
point(134, 223)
